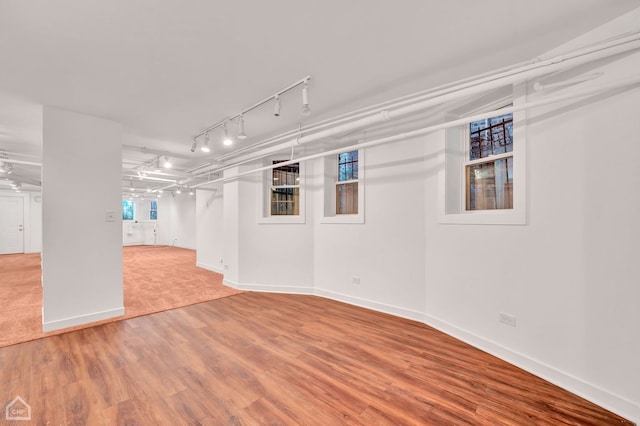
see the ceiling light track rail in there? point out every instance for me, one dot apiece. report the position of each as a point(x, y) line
point(240, 115)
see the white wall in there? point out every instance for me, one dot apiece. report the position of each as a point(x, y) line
point(175, 226)
point(210, 226)
point(567, 275)
point(81, 250)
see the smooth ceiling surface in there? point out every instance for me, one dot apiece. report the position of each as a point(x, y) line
point(168, 69)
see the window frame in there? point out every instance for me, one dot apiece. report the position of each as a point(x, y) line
point(330, 184)
point(265, 193)
point(452, 177)
point(152, 210)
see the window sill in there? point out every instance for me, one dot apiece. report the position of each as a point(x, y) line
point(343, 218)
point(486, 217)
point(281, 219)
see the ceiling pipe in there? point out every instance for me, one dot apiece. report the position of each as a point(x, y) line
point(477, 84)
point(442, 126)
point(452, 92)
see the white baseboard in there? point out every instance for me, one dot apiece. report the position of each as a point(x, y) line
point(211, 268)
point(271, 289)
point(369, 304)
point(80, 319)
point(590, 392)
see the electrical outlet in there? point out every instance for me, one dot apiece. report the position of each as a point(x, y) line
point(507, 319)
point(355, 280)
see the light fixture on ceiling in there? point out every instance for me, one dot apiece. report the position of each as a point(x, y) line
point(227, 141)
point(194, 145)
point(241, 132)
point(148, 189)
point(179, 190)
point(191, 191)
point(276, 107)
point(131, 188)
point(276, 111)
point(167, 162)
point(205, 145)
point(306, 111)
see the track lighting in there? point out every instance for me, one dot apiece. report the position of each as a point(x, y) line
point(276, 108)
point(131, 188)
point(306, 111)
point(205, 145)
point(191, 191)
point(167, 162)
point(241, 133)
point(227, 139)
point(240, 115)
point(179, 190)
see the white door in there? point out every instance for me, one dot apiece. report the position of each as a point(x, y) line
point(11, 225)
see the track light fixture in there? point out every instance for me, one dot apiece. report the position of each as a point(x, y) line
point(240, 116)
point(179, 190)
point(167, 162)
point(306, 111)
point(194, 145)
point(241, 132)
point(276, 107)
point(205, 146)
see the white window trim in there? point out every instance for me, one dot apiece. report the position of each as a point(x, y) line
point(515, 216)
point(329, 197)
point(264, 195)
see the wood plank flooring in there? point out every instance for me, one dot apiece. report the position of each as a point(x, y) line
point(274, 359)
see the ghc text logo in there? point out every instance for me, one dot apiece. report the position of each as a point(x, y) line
point(18, 409)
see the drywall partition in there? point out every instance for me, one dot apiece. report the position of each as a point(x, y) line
point(82, 234)
point(210, 226)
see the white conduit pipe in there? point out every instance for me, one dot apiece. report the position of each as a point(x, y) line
point(26, 163)
point(485, 82)
point(431, 129)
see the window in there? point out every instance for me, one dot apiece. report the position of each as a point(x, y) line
point(347, 183)
point(127, 209)
point(483, 180)
point(153, 211)
point(489, 166)
point(343, 186)
point(285, 190)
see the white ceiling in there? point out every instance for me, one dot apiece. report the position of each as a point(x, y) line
point(168, 69)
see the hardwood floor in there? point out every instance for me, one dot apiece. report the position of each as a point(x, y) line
point(276, 359)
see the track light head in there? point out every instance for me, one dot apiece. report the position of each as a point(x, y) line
point(241, 132)
point(205, 146)
point(227, 141)
point(167, 162)
point(276, 108)
point(306, 111)
point(194, 145)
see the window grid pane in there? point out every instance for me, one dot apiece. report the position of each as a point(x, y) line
point(347, 198)
point(348, 166)
point(153, 212)
point(491, 136)
point(285, 191)
point(490, 185)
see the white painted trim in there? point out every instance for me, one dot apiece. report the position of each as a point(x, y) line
point(329, 184)
point(593, 393)
point(217, 269)
point(274, 289)
point(369, 304)
point(81, 319)
point(264, 201)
